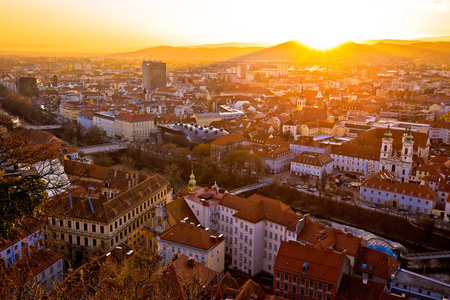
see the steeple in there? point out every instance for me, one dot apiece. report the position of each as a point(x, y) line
point(386, 145)
point(408, 137)
point(388, 134)
point(192, 187)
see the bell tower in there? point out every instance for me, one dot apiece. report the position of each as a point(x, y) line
point(386, 145)
point(407, 148)
point(192, 187)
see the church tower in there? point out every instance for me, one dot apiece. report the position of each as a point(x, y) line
point(301, 103)
point(386, 146)
point(407, 148)
point(192, 187)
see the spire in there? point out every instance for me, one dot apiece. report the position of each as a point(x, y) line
point(388, 134)
point(192, 187)
point(409, 137)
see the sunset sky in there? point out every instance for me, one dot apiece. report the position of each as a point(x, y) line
point(122, 25)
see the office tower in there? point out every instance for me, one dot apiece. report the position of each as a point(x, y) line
point(153, 74)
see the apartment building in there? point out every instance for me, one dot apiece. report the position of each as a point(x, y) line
point(274, 159)
point(196, 242)
point(106, 122)
point(312, 164)
point(380, 190)
point(132, 127)
point(307, 272)
point(104, 208)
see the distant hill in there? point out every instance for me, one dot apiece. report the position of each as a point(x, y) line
point(437, 52)
point(189, 53)
point(233, 44)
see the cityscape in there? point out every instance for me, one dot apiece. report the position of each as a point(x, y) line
point(219, 151)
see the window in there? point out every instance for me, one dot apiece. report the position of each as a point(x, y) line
point(85, 227)
point(77, 225)
point(102, 229)
point(61, 223)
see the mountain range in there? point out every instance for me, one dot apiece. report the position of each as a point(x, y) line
point(381, 51)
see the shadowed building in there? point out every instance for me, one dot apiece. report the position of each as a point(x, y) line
point(153, 74)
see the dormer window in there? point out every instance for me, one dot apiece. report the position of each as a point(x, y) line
point(419, 195)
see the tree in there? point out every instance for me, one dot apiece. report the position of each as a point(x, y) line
point(55, 80)
point(20, 198)
point(202, 151)
point(26, 173)
point(173, 172)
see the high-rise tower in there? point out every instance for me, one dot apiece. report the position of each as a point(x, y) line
point(153, 74)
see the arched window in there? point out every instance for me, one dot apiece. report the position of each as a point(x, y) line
point(393, 168)
point(406, 151)
point(385, 148)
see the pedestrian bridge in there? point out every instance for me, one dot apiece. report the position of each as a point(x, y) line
point(425, 255)
point(102, 148)
point(43, 127)
point(251, 187)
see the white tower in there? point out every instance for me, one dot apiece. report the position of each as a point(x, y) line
point(407, 148)
point(386, 145)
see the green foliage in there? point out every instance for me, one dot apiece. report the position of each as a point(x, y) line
point(22, 107)
point(20, 198)
point(202, 150)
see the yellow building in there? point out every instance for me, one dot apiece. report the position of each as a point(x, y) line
point(107, 208)
point(70, 110)
point(132, 127)
point(206, 119)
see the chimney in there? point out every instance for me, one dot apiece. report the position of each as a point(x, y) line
point(127, 176)
point(175, 256)
point(129, 184)
point(70, 201)
point(115, 173)
point(191, 262)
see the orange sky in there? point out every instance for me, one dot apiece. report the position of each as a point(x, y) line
point(123, 25)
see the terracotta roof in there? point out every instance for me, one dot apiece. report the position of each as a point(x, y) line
point(368, 144)
point(93, 178)
point(134, 118)
point(312, 158)
point(310, 114)
point(192, 236)
point(263, 208)
point(324, 237)
point(323, 265)
point(229, 139)
point(179, 210)
point(406, 188)
point(352, 287)
point(375, 262)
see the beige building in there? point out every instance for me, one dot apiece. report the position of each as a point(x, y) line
point(206, 119)
point(70, 110)
point(104, 208)
point(132, 127)
point(196, 242)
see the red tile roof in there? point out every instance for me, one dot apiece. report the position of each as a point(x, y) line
point(134, 118)
point(192, 236)
point(323, 265)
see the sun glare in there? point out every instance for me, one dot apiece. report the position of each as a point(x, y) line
point(322, 43)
